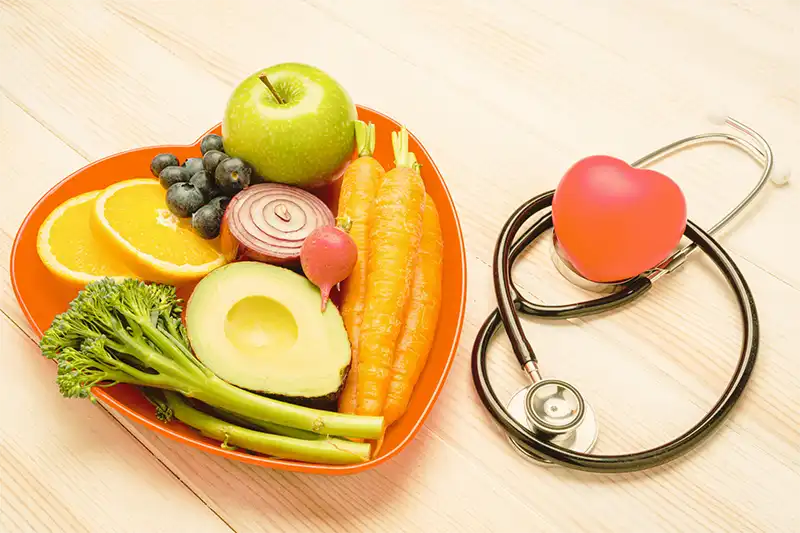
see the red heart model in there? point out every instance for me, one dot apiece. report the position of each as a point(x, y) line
point(614, 221)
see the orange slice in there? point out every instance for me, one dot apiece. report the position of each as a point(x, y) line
point(161, 247)
point(70, 250)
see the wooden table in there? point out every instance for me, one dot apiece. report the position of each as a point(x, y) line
point(506, 95)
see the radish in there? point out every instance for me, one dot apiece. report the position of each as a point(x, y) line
point(328, 256)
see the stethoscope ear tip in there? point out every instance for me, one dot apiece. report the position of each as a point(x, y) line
point(780, 174)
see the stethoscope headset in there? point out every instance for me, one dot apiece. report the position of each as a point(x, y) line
point(548, 420)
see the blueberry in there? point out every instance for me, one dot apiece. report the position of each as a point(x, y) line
point(232, 175)
point(205, 184)
point(206, 221)
point(183, 199)
point(220, 202)
point(193, 165)
point(211, 159)
point(211, 142)
point(172, 175)
point(162, 161)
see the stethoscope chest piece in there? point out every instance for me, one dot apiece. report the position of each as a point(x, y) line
point(556, 412)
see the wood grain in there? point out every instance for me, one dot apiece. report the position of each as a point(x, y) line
point(68, 466)
point(505, 95)
point(60, 467)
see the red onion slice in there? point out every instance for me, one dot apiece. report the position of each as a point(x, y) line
point(268, 222)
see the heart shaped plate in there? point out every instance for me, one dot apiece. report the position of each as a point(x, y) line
point(42, 296)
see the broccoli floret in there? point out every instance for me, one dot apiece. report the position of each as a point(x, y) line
point(107, 336)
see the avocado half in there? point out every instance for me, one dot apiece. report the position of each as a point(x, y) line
point(260, 327)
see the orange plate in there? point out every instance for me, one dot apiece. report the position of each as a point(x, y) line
point(42, 296)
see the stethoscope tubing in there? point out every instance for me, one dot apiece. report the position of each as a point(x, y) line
point(507, 251)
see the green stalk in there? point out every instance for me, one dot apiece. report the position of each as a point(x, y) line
point(171, 329)
point(365, 138)
point(219, 393)
point(161, 381)
point(188, 358)
point(154, 359)
point(167, 346)
point(254, 423)
point(402, 157)
point(322, 451)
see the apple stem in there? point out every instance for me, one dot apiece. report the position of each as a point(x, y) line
point(365, 138)
point(402, 157)
point(265, 81)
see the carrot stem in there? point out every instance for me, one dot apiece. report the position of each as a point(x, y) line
point(365, 138)
point(402, 157)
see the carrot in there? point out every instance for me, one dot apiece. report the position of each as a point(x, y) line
point(395, 236)
point(421, 316)
point(356, 199)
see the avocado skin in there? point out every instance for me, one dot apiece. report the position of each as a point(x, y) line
point(328, 402)
point(325, 403)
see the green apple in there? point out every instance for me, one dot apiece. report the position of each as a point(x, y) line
point(292, 123)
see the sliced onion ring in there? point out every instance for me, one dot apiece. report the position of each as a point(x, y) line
point(268, 222)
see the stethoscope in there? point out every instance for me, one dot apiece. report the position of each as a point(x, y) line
point(548, 420)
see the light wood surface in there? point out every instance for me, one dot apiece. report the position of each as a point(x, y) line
point(505, 95)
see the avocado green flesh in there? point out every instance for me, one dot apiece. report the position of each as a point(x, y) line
point(260, 327)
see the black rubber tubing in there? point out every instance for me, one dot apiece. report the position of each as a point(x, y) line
point(509, 302)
